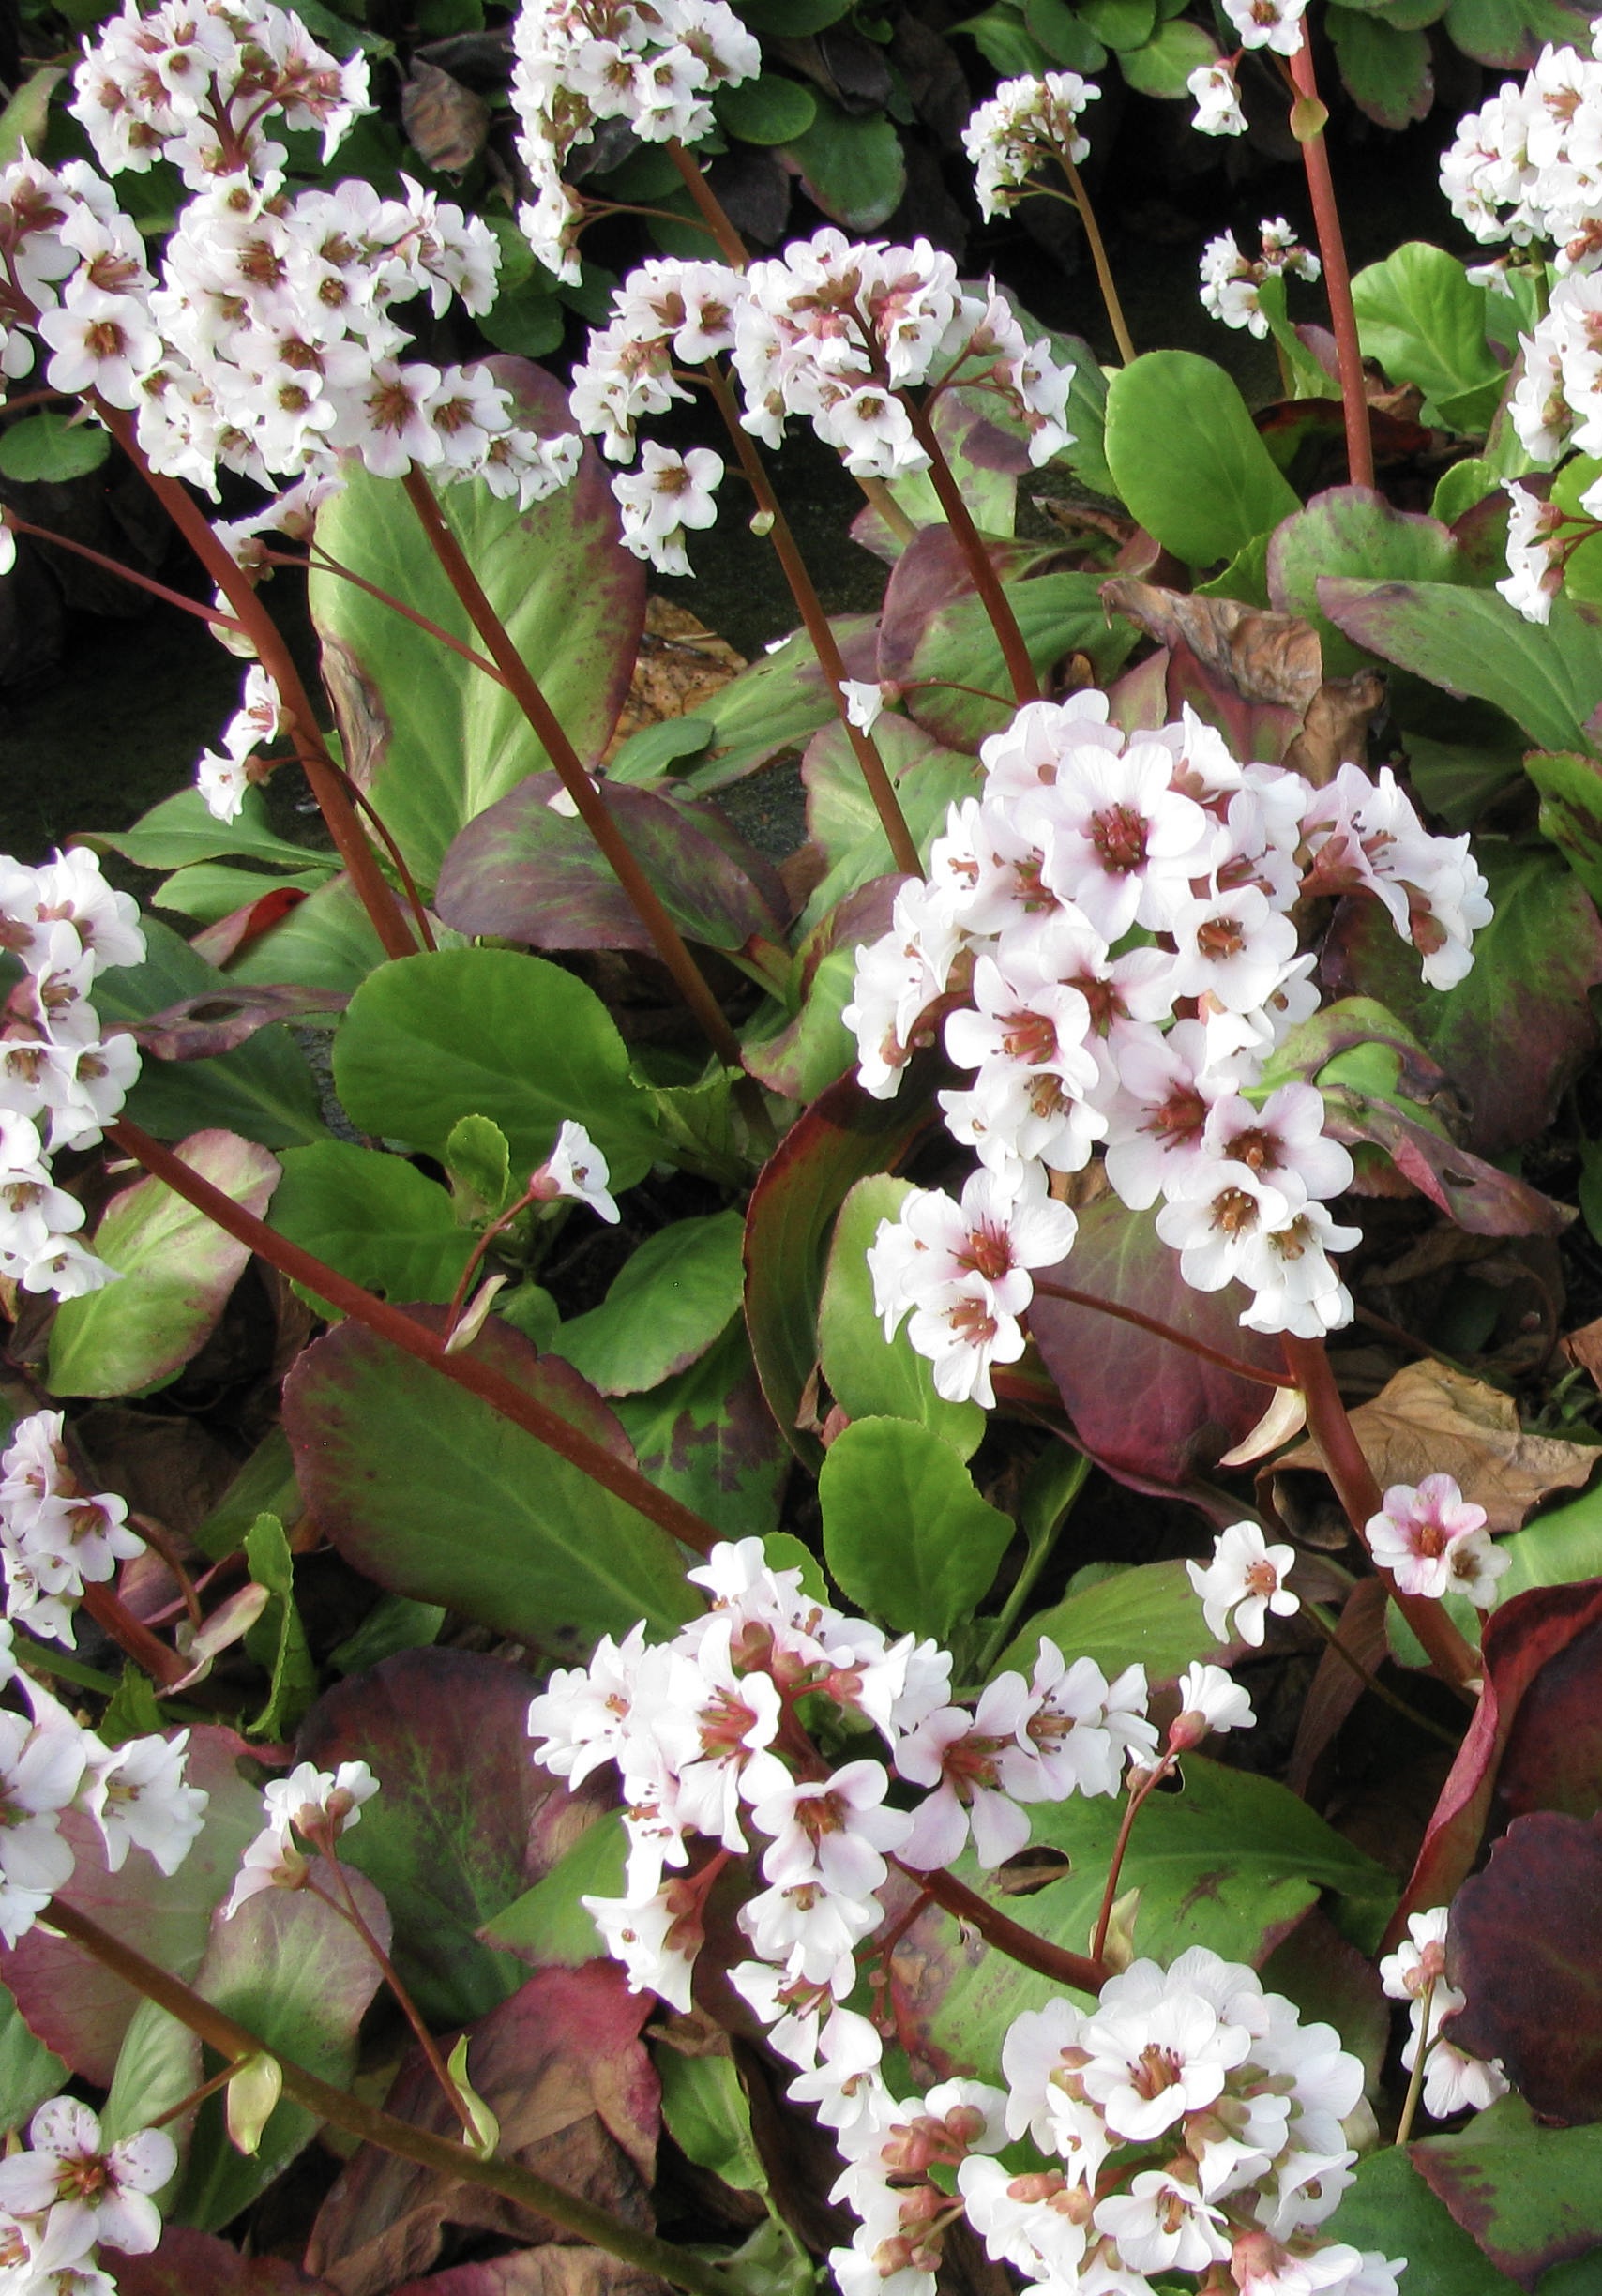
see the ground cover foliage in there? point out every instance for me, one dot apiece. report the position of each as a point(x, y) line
point(723, 1569)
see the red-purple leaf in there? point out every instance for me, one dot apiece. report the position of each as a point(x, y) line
point(540, 2272)
point(68, 2000)
point(522, 872)
point(1474, 1195)
point(1529, 2196)
point(562, 2067)
point(218, 1019)
point(1521, 1638)
point(197, 2264)
point(218, 941)
point(842, 1137)
point(466, 1820)
point(1525, 1946)
point(1146, 1409)
point(1552, 1760)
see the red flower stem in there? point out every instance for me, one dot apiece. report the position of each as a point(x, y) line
point(1330, 1426)
point(125, 573)
point(524, 690)
point(112, 1615)
point(680, 2267)
point(361, 862)
point(398, 859)
point(475, 1258)
point(1336, 276)
point(713, 212)
point(1138, 1796)
point(986, 581)
point(400, 1329)
point(1008, 1937)
point(196, 2096)
point(1166, 1331)
point(320, 557)
point(880, 787)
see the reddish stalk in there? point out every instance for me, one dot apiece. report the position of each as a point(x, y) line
point(386, 597)
point(397, 858)
point(1137, 1798)
point(112, 1615)
point(1166, 1331)
point(1337, 275)
point(475, 1259)
point(713, 213)
point(1330, 1427)
point(880, 787)
point(524, 690)
point(361, 862)
point(1008, 1937)
point(986, 581)
point(680, 2267)
point(125, 573)
point(493, 1387)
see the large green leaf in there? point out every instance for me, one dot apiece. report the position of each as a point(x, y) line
point(867, 1375)
point(1419, 314)
point(263, 1088)
point(483, 1032)
point(1233, 1863)
point(1390, 2207)
point(184, 829)
point(426, 1489)
point(905, 1533)
point(852, 165)
point(672, 1299)
point(842, 816)
point(1351, 530)
point(175, 1269)
point(1571, 811)
point(1163, 66)
point(1150, 1612)
point(436, 739)
point(1472, 642)
point(1512, 32)
point(326, 941)
point(1386, 69)
point(1186, 459)
point(1057, 614)
point(708, 1438)
point(373, 1217)
point(1530, 2195)
point(29, 2071)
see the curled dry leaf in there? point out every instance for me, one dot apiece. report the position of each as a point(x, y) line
point(681, 665)
point(445, 122)
point(1270, 658)
point(1431, 1420)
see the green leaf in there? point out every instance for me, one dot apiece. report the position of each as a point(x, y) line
point(1389, 2207)
point(1385, 70)
point(842, 819)
point(294, 1971)
point(1186, 460)
point(549, 1924)
point(1571, 811)
point(278, 1632)
point(770, 109)
point(1424, 322)
point(438, 739)
point(1165, 63)
point(791, 19)
point(1057, 614)
point(1120, 23)
point(1309, 376)
point(1065, 33)
point(480, 1163)
point(1149, 1613)
point(372, 1218)
point(1530, 2195)
point(869, 1376)
point(1560, 1548)
point(645, 756)
point(851, 165)
point(175, 1271)
point(480, 1032)
point(262, 1089)
point(327, 941)
point(51, 450)
point(211, 889)
point(814, 1051)
point(29, 2073)
point(709, 1438)
point(708, 2119)
point(1583, 566)
point(1003, 39)
point(672, 1299)
point(1512, 31)
point(1351, 530)
point(527, 1542)
point(1472, 642)
point(528, 319)
point(158, 2066)
point(392, 1624)
point(26, 120)
point(133, 1711)
point(1460, 488)
point(905, 1533)
point(182, 829)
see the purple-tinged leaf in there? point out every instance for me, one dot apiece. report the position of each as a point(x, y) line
point(709, 1438)
point(526, 1541)
point(1475, 1195)
point(466, 1820)
point(190, 2263)
point(562, 2067)
point(522, 872)
point(1064, 626)
point(1514, 1033)
point(1529, 2197)
point(73, 2005)
point(225, 936)
point(175, 1271)
point(217, 1022)
point(932, 572)
point(1351, 529)
point(539, 2272)
point(842, 819)
point(1189, 1412)
point(1525, 1949)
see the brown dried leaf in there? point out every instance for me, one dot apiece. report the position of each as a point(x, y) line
point(681, 665)
point(1267, 657)
point(541, 2272)
point(1584, 1348)
point(1335, 731)
point(445, 123)
point(1431, 1420)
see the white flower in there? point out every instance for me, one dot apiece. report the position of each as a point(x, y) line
point(93, 2192)
point(1276, 24)
point(864, 702)
point(1418, 1535)
point(1217, 100)
point(575, 1168)
point(671, 494)
point(1245, 1575)
point(1534, 568)
point(1415, 1972)
point(136, 1795)
point(1209, 1700)
point(1023, 125)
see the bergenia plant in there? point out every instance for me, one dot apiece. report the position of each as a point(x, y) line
point(761, 1568)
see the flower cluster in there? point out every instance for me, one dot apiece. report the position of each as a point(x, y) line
point(61, 1082)
point(1528, 165)
point(1025, 123)
point(54, 1536)
point(1231, 280)
point(1416, 1973)
point(319, 1806)
point(1433, 1541)
point(223, 776)
point(706, 1733)
point(578, 62)
point(1217, 98)
point(69, 2192)
point(1111, 922)
point(134, 1793)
